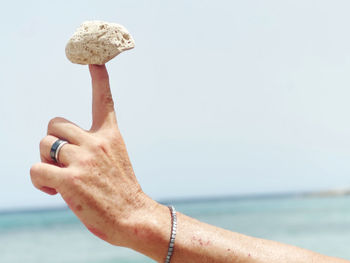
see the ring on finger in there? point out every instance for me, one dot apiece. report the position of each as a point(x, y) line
point(55, 149)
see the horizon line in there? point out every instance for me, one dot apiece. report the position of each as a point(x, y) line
point(175, 200)
point(183, 200)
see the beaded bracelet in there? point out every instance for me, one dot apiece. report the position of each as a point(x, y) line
point(173, 234)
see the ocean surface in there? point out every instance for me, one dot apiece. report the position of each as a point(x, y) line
point(321, 224)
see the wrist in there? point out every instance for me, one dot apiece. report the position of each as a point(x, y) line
point(149, 230)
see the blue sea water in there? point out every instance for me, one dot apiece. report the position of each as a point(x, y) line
point(317, 223)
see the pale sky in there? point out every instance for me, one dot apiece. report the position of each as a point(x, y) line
point(217, 98)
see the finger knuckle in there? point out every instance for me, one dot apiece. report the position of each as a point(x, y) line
point(34, 172)
point(72, 179)
point(34, 169)
point(108, 101)
point(101, 144)
point(53, 122)
point(42, 145)
point(86, 162)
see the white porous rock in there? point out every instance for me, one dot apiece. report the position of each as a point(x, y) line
point(97, 42)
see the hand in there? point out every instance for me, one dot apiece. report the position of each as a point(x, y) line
point(94, 175)
point(95, 178)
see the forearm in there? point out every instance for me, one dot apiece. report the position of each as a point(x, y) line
point(94, 176)
point(200, 242)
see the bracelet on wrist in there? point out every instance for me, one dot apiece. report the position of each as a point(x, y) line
point(173, 234)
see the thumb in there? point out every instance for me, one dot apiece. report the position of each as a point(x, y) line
point(102, 102)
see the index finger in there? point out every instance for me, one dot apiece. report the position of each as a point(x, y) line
point(102, 101)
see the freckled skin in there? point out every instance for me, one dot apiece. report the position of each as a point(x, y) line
point(69, 202)
point(79, 208)
point(97, 181)
point(200, 241)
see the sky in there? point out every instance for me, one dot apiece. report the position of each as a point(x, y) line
point(217, 98)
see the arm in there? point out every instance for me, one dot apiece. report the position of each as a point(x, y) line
point(95, 178)
point(200, 242)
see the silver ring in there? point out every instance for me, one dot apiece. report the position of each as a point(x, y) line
point(55, 149)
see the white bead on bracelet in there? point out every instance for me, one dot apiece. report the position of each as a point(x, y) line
point(173, 234)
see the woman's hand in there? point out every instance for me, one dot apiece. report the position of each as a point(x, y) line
point(95, 178)
point(94, 174)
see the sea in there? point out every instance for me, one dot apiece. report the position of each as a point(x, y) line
point(321, 224)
